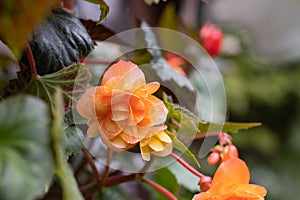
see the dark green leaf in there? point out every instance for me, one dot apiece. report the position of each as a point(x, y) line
point(104, 8)
point(62, 168)
point(74, 139)
point(26, 160)
point(60, 41)
point(182, 148)
point(161, 71)
point(166, 178)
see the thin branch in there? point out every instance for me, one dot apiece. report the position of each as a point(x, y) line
point(115, 180)
point(92, 164)
point(186, 165)
point(146, 166)
point(107, 167)
point(31, 60)
point(95, 61)
point(160, 189)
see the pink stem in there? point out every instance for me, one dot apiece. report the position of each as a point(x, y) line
point(186, 165)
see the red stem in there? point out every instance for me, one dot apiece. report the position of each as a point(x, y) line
point(31, 60)
point(186, 165)
point(115, 180)
point(92, 164)
point(160, 189)
point(94, 61)
point(68, 4)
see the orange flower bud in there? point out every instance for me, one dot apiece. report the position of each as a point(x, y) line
point(205, 183)
point(230, 151)
point(213, 158)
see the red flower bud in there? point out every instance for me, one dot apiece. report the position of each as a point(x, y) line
point(205, 183)
point(212, 38)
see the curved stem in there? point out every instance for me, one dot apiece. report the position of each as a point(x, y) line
point(160, 189)
point(92, 164)
point(31, 60)
point(186, 165)
point(107, 167)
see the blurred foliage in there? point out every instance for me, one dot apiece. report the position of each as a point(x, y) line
point(267, 92)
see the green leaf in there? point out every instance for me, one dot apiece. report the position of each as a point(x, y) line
point(162, 71)
point(73, 81)
point(26, 159)
point(166, 178)
point(18, 18)
point(59, 42)
point(104, 8)
point(74, 138)
point(62, 168)
point(182, 148)
point(230, 127)
point(189, 124)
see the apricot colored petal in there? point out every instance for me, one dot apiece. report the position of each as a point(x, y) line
point(155, 144)
point(146, 90)
point(130, 76)
point(86, 103)
point(119, 143)
point(145, 153)
point(157, 111)
point(166, 151)
point(152, 87)
point(129, 139)
point(251, 190)
point(162, 136)
point(119, 115)
point(232, 171)
point(118, 70)
point(145, 141)
point(110, 128)
point(93, 130)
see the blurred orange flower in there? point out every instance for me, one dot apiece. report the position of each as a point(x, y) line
point(159, 144)
point(123, 110)
point(231, 182)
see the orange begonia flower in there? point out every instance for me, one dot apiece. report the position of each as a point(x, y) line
point(159, 144)
point(231, 182)
point(123, 110)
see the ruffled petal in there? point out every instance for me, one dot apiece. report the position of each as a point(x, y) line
point(86, 103)
point(232, 171)
point(168, 148)
point(251, 190)
point(145, 153)
point(155, 144)
point(118, 70)
point(157, 112)
point(162, 136)
point(93, 130)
